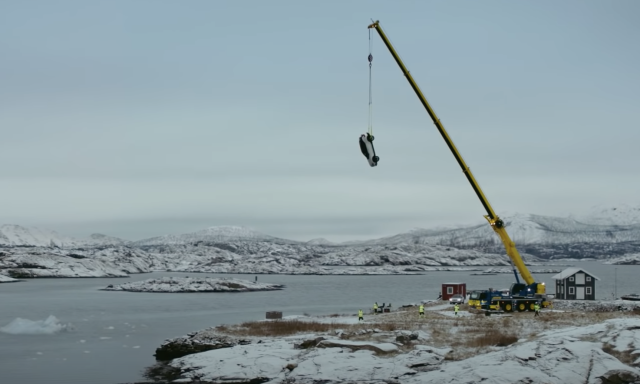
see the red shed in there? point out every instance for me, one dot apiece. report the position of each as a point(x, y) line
point(450, 289)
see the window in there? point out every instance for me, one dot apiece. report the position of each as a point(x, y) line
point(588, 278)
point(571, 290)
point(588, 290)
point(561, 289)
point(571, 278)
point(449, 290)
point(558, 289)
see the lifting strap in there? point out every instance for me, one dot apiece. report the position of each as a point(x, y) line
point(370, 57)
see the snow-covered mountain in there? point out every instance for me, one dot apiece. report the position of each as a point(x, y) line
point(622, 214)
point(320, 241)
point(542, 236)
point(606, 233)
point(523, 229)
point(210, 235)
point(98, 240)
point(16, 235)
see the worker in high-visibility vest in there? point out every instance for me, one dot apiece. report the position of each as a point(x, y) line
point(375, 307)
point(421, 310)
point(456, 308)
point(536, 307)
point(360, 318)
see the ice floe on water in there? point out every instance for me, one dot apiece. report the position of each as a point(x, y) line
point(7, 279)
point(48, 326)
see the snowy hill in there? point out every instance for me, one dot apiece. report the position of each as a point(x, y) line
point(622, 214)
point(541, 236)
point(16, 235)
point(605, 233)
point(523, 229)
point(98, 239)
point(319, 241)
point(209, 235)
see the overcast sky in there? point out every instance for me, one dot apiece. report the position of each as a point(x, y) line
point(150, 117)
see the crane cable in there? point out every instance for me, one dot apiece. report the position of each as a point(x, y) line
point(370, 57)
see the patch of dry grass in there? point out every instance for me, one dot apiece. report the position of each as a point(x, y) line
point(281, 328)
point(291, 327)
point(625, 357)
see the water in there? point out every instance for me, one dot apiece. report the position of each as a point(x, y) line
point(116, 333)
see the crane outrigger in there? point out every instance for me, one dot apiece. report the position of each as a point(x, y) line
point(522, 296)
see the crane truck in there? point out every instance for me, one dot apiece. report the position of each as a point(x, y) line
point(521, 296)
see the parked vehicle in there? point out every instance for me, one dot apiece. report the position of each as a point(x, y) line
point(456, 299)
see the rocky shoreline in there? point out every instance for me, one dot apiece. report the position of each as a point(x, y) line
point(400, 348)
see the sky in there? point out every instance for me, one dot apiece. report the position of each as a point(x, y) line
point(143, 118)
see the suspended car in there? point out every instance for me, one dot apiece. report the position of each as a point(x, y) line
point(366, 146)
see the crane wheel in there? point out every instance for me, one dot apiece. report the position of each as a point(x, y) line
point(521, 307)
point(508, 307)
point(532, 307)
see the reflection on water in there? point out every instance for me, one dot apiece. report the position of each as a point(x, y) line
point(113, 335)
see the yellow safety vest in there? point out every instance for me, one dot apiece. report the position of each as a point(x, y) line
point(360, 313)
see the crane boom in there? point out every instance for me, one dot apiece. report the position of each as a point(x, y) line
point(496, 223)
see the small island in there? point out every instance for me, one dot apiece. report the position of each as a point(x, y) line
point(190, 284)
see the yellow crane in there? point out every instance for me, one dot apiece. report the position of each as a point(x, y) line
point(518, 290)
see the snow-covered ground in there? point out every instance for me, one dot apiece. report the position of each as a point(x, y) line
point(589, 354)
point(596, 305)
point(191, 284)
